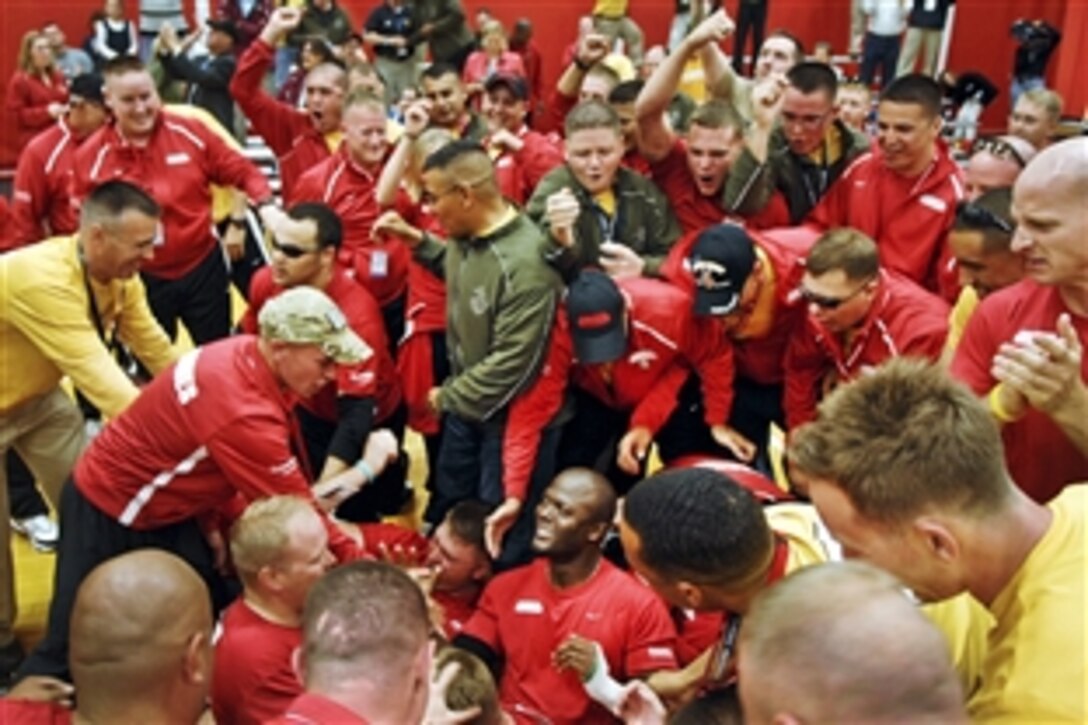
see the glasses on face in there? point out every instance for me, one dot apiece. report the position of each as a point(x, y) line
point(807, 120)
point(429, 198)
point(978, 217)
point(290, 251)
point(999, 148)
point(830, 303)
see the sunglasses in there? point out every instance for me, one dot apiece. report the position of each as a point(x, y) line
point(999, 148)
point(290, 250)
point(978, 217)
point(830, 303)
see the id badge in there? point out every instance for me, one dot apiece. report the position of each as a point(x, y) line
point(379, 264)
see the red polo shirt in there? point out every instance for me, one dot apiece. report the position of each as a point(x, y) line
point(523, 617)
point(313, 709)
point(518, 172)
point(1040, 457)
point(254, 678)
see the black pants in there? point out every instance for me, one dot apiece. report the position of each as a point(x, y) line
point(590, 438)
point(200, 299)
point(24, 499)
point(386, 494)
point(751, 17)
point(470, 467)
point(755, 407)
point(242, 271)
point(440, 370)
point(393, 320)
point(879, 51)
point(88, 538)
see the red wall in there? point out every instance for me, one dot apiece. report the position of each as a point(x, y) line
point(981, 40)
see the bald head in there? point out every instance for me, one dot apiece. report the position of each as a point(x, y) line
point(140, 630)
point(848, 629)
point(1063, 165)
point(590, 486)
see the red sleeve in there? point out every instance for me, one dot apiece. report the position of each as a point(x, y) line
point(230, 168)
point(532, 410)
point(651, 638)
point(804, 366)
point(31, 189)
point(260, 289)
point(254, 456)
point(927, 336)
point(484, 624)
point(832, 210)
point(536, 158)
point(658, 403)
point(711, 354)
point(308, 186)
point(391, 536)
point(772, 216)
point(555, 112)
point(362, 379)
point(22, 105)
point(975, 353)
point(275, 122)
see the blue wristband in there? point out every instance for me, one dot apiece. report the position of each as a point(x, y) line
point(364, 468)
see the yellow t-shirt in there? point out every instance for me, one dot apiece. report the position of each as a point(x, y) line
point(965, 624)
point(958, 318)
point(607, 201)
point(1037, 667)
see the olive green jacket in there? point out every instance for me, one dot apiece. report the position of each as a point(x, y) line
point(501, 303)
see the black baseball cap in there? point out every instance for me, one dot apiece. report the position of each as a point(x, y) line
point(224, 26)
point(515, 84)
point(87, 86)
point(595, 310)
point(721, 262)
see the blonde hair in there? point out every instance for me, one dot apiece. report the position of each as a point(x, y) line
point(26, 55)
point(259, 537)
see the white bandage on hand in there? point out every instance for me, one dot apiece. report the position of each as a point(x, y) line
point(600, 686)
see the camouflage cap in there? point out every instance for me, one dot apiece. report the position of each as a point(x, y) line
point(306, 316)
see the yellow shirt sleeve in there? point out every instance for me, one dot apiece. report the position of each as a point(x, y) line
point(958, 318)
point(50, 333)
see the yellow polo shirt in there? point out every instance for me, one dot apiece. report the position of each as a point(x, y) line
point(47, 331)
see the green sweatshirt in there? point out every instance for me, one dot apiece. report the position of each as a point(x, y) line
point(501, 302)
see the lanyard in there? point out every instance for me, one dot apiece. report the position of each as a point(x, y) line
point(92, 308)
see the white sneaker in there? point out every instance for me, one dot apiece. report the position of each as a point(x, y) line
point(41, 530)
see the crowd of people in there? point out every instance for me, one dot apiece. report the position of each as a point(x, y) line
point(671, 359)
